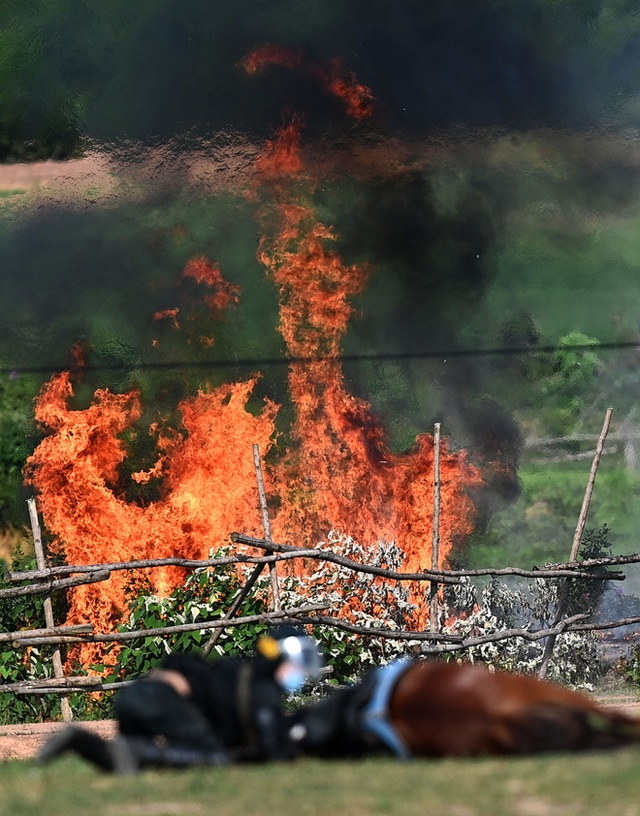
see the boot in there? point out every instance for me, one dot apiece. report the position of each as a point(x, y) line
point(126, 755)
point(112, 756)
point(158, 754)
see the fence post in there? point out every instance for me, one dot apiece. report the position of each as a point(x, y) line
point(257, 570)
point(435, 540)
point(41, 561)
point(266, 526)
point(575, 547)
point(630, 455)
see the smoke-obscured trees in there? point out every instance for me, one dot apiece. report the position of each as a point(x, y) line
point(72, 71)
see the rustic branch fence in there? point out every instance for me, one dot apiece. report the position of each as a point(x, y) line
point(432, 643)
point(44, 580)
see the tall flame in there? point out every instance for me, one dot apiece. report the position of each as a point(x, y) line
point(342, 464)
point(339, 472)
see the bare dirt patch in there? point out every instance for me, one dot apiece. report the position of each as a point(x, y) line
point(93, 169)
point(23, 741)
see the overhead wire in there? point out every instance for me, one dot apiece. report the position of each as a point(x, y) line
point(260, 362)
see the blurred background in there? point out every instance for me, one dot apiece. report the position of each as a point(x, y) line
point(492, 197)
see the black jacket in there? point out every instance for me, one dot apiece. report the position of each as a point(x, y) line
point(240, 700)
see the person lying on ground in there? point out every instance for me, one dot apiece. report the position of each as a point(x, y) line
point(194, 712)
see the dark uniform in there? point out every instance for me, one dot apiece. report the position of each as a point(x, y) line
point(193, 711)
point(233, 711)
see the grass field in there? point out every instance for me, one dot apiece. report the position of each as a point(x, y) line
point(603, 783)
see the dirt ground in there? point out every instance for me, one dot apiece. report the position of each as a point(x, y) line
point(23, 741)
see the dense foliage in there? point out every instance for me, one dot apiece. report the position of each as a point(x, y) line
point(17, 665)
point(17, 437)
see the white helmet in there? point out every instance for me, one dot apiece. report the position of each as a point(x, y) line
point(288, 644)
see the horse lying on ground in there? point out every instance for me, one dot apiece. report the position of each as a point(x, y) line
point(426, 708)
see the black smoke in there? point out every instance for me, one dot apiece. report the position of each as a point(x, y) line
point(128, 78)
point(149, 71)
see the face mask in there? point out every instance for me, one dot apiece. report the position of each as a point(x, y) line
point(292, 680)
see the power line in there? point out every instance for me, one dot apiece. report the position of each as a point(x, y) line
point(260, 362)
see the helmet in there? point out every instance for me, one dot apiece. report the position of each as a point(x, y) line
point(288, 644)
point(303, 652)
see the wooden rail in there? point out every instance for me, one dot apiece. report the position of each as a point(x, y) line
point(431, 642)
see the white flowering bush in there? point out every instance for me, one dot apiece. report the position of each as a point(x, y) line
point(473, 612)
point(466, 609)
point(360, 598)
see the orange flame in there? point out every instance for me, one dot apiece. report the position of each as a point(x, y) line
point(342, 470)
point(168, 314)
point(281, 156)
point(209, 486)
point(223, 295)
point(201, 270)
point(339, 473)
point(357, 97)
point(267, 55)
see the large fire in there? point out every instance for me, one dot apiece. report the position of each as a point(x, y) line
point(338, 473)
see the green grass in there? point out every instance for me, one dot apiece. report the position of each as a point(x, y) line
point(539, 527)
point(605, 783)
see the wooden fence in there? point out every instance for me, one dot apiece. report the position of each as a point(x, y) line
point(47, 579)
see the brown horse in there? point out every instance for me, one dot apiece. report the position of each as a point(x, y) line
point(436, 709)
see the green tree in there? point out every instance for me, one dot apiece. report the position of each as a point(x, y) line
point(566, 389)
point(17, 436)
